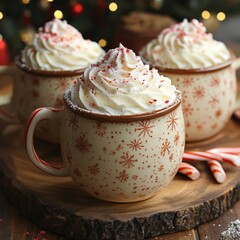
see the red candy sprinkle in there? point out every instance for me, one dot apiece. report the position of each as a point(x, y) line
point(167, 101)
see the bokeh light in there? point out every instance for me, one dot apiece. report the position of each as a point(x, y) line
point(102, 42)
point(113, 7)
point(206, 14)
point(58, 14)
point(221, 16)
point(25, 1)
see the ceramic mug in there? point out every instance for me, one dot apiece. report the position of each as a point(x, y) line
point(33, 89)
point(208, 97)
point(114, 158)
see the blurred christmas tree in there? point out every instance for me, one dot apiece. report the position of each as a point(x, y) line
point(96, 19)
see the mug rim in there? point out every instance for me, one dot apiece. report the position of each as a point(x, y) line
point(47, 73)
point(214, 68)
point(120, 118)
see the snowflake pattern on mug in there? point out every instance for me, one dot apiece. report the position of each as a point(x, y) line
point(208, 101)
point(110, 164)
point(82, 144)
point(144, 129)
point(32, 91)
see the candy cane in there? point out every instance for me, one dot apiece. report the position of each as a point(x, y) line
point(189, 170)
point(217, 171)
point(232, 159)
point(230, 150)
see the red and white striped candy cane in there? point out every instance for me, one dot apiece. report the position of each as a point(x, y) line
point(232, 159)
point(189, 171)
point(230, 150)
point(217, 171)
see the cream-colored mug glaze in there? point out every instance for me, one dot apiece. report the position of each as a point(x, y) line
point(114, 158)
point(36, 88)
point(208, 97)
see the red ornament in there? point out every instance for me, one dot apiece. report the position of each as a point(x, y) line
point(77, 8)
point(4, 54)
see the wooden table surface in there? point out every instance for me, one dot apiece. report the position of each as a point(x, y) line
point(15, 226)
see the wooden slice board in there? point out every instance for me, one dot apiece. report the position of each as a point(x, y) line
point(56, 204)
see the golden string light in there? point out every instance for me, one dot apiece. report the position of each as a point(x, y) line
point(221, 16)
point(58, 14)
point(113, 7)
point(102, 42)
point(25, 1)
point(1, 15)
point(206, 14)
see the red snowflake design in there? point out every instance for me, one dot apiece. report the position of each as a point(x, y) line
point(123, 176)
point(215, 82)
point(161, 168)
point(171, 157)
point(112, 153)
point(218, 113)
point(94, 169)
point(144, 128)
point(165, 148)
point(187, 81)
point(176, 138)
point(68, 156)
point(199, 92)
point(187, 108)
point(77, 172)
point(172, 121)
point(214, 101)
point(35, 94)
point(73, 121)
point(119, 147)
point(82, 144)
point(135, 144)
point(127, 161)
point(134, 177)
point(36, 81)
point(101, 129)
point(62, 84)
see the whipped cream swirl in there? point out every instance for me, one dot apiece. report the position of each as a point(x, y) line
point(120, 84)
point(60, 47)
point(185, 45)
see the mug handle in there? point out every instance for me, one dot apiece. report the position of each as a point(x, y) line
point(36, 116)
point(6, 115)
